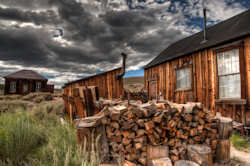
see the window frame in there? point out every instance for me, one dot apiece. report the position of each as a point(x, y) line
point(13, 90)
point(240, 47)
point(38, 89)
point(191, 78)
point(25, 85)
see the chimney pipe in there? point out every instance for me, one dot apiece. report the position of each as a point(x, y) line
point(205, 25)
point(124, 57)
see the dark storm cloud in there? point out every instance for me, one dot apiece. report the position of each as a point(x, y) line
point(33, 48)
point(93, 38)
point(43, 17)
point(27, 4)
point(107, 34)
point(78, 19)
point(22, 46)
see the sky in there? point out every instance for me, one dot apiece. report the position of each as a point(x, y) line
point(65, 40)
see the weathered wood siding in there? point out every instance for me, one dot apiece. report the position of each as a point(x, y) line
point(204, 82)
point(108, 86)
point(31, 86)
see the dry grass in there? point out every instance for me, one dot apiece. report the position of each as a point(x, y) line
point(17, 103)
point(31, 133)
point(240, 143)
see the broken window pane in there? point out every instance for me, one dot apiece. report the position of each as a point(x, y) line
point(229, 74)
point(183, 78)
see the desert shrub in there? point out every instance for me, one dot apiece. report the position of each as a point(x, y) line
point(38, 97)
point(10, 97)
point(36, 136)
point(47, 112)
point(11, 106)
point(20, 136)
point(63, 149)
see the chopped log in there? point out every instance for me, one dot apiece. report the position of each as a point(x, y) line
point(185, 163)
point(225, 128)
point(128, 163)
point(223, 151)
point(140, 132)
point(149, 125)
point(156, 152)
point(200, 154)
point(115, 125)
point(114, 114)
point(143, 160)
point(161, 162)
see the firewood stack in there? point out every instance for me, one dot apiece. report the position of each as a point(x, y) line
point(131, 129)
point(137, 95)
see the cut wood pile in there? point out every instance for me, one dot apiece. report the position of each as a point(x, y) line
point(132, 130)
point(140, 95)
point(136, 92)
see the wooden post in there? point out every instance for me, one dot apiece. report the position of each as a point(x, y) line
point(223, 151)
point(223, 148)
point(225, 128)
point(89, 102)
point(200, 154)
point(128, 98)
point(88, 129)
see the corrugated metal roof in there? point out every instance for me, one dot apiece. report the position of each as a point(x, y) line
point(223, 32)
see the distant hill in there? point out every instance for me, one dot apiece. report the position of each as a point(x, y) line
point(133, 80)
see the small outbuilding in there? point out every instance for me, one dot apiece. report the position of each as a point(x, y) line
point(26, 81)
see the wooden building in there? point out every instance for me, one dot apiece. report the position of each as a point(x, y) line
point(212, 67)
point(108, 85)
point(26, 81)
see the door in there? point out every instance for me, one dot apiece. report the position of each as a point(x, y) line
point(152, 90)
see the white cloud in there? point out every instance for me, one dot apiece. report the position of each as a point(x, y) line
point(218, 10)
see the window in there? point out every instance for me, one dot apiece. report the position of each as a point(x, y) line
point(229, 74)
point(12, 86)
point(38, 86)
point(183, 78)
point(25, 87)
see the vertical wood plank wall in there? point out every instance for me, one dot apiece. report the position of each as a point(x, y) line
point(204, 89)
point(108, 86)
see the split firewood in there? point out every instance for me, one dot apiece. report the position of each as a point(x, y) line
point(132, 131)
point(161, 162)
point(185, 163)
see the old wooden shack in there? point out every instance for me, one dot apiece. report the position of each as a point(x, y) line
point(212, 67)
point(108, 85)
point(26, 81)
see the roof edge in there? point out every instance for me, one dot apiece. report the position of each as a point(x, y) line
point(82, 79)
point(188, 54)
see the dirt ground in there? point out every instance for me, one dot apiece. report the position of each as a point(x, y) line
point(241, 156)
